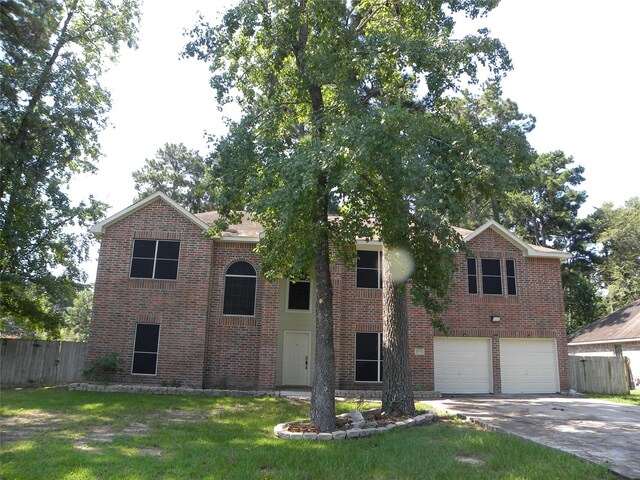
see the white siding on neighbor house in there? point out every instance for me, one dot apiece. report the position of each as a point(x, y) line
point(529, 365)
point(462, 365)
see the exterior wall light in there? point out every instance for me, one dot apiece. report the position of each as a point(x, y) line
point(495, 318)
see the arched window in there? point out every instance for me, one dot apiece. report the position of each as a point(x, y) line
point(240, 289)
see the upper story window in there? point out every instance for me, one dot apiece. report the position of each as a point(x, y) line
point(369, 269)
point(491, 276)
point(491, 273)
point(155, 259)
point(299, 297)
point(511, 276)
point(145, 350)
point(240, 289)
point(472, 274)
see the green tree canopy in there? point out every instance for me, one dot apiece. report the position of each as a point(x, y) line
point(322, 85)
point(51, 110)
point(180, 173)
point(546, 212)
point(77, 317)
point(618, 236)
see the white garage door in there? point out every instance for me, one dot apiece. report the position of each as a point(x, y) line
point(462, 365)
point(529, 365)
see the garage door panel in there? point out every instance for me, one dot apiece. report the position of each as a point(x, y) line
point(463, 365)
point(529, 365)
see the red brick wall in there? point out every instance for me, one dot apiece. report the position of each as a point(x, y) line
point(535, 312)
point(199, 346)
point(179, 306)
point(241, 349)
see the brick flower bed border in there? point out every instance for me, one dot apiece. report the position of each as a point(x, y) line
point(281, 431)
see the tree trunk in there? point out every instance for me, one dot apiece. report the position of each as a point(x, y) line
point(397, 388)
point(323, 408)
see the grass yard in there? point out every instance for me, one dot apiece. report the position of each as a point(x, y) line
point(633, 398)
point(57, 434)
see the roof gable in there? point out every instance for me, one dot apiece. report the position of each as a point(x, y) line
point(527, 249)
point(98, 228)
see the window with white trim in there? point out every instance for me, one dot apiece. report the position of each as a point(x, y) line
point(145, 350)
point(369, 269)
point(368, 357)
point(240, 289)
point(155, 259)
point(299, 295)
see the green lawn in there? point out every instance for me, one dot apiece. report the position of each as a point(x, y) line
point(56, 434)
point(633, 398)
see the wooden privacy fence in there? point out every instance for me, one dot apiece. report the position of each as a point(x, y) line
point(599, 374)
point(41, 362)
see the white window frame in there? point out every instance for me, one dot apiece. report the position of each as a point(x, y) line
point(378, 270)
point(224, 289)
point(378, 361)
point(136, 351)
point(155, 258)
point(501, 276)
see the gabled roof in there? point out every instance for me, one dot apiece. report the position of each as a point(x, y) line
point(98, 228)
point(621, 325)
point(527, 249)
point(250, 231)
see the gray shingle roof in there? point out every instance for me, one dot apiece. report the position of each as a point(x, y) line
point(623, 324)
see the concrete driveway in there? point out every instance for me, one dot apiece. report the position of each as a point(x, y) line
point(602, 432)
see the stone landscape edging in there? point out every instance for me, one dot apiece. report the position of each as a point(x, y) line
point(281, 431)
point(374, 395)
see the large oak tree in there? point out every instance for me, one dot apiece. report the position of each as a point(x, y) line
point(333, 94)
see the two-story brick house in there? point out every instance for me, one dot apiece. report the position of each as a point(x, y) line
point(184, 309)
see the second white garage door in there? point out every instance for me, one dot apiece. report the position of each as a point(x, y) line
point(529, 365)
point(462, 365)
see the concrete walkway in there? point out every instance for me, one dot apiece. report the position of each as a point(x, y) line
point(603, 432)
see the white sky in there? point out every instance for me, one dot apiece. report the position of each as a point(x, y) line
point(574, 69)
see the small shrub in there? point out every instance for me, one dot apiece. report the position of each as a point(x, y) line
point(103, 368)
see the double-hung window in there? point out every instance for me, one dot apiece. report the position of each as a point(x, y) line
point(145, 351)
point(511, 276)
point(491, 276)
point(472, 275)
point(368, 357)
point(155, 259)
point(369, 269)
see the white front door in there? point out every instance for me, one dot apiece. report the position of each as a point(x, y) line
point(295, 358)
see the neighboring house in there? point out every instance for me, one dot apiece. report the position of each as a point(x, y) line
point(182, 308)
point(617, 334)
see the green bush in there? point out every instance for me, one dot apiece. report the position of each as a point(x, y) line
point(103, 368)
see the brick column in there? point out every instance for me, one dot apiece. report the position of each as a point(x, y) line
point(268, 336)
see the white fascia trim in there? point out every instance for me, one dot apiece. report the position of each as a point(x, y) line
point(619, 340)
point(527, 249)
point(98, 228)
point(361, 241)
point(237, 239)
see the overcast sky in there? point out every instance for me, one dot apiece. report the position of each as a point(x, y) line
point(575, 65)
